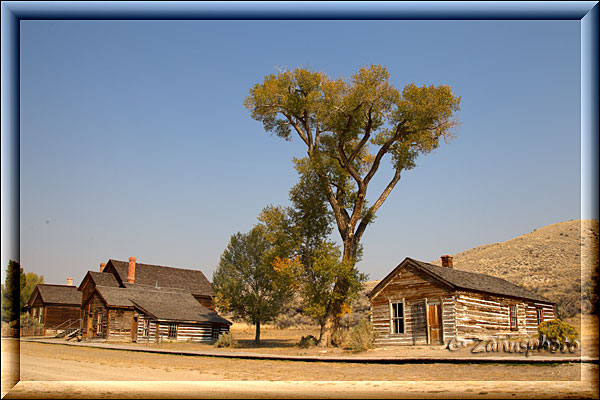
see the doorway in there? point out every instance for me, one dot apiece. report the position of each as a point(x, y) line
point(434, 323)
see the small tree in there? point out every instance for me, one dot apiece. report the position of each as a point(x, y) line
point(248, 281)
point(31, 281)
point(11, 292)
point(318, 285)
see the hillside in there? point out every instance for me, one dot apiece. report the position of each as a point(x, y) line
point(548, 260)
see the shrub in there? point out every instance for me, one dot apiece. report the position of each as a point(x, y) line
point(339, 338)
point(362, 336)
point(225, 340)
point(557, 330)
point(307, 342)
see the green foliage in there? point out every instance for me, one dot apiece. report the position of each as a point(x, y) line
point(320, 280)
point(247, 282)
point(362, 336)
point(13, 286)
point(31, 281)
point(307, 342)
point(225, 340)
point(557, 330)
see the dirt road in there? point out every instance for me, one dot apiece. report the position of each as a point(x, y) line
point(64, 371)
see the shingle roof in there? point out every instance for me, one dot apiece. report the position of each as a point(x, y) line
point(161, 303)
point(103, 278)
point(176, 306)
point(191, 280)
point(59, 294)
point(467, 280)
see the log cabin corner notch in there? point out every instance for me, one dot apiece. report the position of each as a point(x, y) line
point(420, 303)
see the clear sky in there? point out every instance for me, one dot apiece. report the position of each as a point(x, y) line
point(135, 141)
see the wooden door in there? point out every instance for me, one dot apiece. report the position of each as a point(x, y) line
point(434, 323)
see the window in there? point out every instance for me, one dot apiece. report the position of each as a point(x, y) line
point(540, 315)
point(513, 317)
point(215, 332)
point(397, 312)
point(172, 331)
point(146, 331)
point(99, 325)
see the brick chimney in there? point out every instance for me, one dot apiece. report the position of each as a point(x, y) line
point(102, 266)
point(447, 261)
point(131, 271)
point(69, 282)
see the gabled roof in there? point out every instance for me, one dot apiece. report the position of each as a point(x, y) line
point(457, 279)
point(160, 303)
point(56, 294)
point(99, 279)
point(149, 275)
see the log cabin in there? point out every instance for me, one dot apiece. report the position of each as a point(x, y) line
point(142, 302)
point(425, 304)
point(55, 305)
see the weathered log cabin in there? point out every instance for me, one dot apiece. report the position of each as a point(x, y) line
point(55, 305)
point(424, 304)
point(148, 303)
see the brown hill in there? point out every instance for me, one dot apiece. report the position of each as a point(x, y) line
point(550, 261)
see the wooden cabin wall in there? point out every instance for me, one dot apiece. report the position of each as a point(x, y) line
point(199, 332)
point(119, 323)
point(486, 316)
point(90, 312)
point(55, 315)
point(414, 287)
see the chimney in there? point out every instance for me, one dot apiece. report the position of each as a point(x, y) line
point(102, 266)
point(69, 282)
point(447, 261)
point(131, 271)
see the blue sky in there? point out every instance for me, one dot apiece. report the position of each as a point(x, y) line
point(135, 141)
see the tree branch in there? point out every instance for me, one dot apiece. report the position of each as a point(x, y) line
point(302, 135)
point(366, 137)
point(373, 209)
point(382, 151)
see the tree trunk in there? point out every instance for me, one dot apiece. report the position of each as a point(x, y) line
point(342, 288)
point(257, 336)
point(321, 342)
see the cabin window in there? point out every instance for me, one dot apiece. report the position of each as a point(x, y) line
point(397, 312)
point(99, 325)
point(172, 331)
point(215, 332)
point(513, 317)
point(540, 315)
point(146, 331)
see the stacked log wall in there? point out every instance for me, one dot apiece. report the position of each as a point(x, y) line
point(485, 316)
point(120, 323)
point(186, 331)
point(95, 305)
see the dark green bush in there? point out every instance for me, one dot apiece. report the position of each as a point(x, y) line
point(557, 330)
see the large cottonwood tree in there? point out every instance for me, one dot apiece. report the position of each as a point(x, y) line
point(348, 126)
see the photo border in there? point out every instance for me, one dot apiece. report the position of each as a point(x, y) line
point(12, 12)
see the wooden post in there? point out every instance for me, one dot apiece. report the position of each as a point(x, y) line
point(107, 323)
point(427, 320)
point(441, 320)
